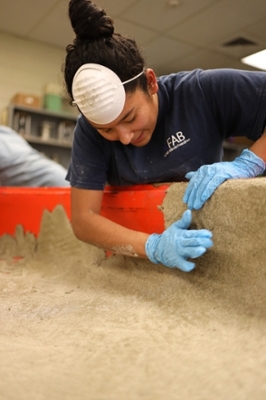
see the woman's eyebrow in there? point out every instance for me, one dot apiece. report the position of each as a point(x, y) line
point(127, 114)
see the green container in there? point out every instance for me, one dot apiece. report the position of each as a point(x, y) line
point(53, 102)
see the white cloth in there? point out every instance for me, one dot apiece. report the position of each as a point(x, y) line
point(21, 165)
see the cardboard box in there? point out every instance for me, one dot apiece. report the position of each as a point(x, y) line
point(27, 100)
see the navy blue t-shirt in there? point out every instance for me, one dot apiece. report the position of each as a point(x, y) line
point(197, 111)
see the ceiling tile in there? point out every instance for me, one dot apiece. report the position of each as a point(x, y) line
point(239, 51)
point(190, 35)
point(140, 34)
point(225, 16)
point(257, 29)
point(159, 16)
point(163, 50)
point(20, 16)
point(202, 59)
point(55, 27)
point(115, 7)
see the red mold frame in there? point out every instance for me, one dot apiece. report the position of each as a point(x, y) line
point(135, 207)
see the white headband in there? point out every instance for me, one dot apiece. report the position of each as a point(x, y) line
point(99, 93)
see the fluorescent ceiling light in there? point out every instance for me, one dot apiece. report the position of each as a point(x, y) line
point(257, 60)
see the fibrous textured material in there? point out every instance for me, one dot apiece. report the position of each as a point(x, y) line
point(78, 325)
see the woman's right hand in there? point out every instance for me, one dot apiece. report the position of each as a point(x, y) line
point(177, 243)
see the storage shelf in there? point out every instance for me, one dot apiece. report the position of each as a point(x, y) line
point(49, 142)
point(44, 112)
point(50, 132)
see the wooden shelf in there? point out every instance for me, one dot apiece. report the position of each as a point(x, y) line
point(50, 132)
point(49, 142)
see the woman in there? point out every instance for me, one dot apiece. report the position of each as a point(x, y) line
point(135, 129)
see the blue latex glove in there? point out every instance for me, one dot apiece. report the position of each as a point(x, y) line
point(207, 178)
point(177, 243)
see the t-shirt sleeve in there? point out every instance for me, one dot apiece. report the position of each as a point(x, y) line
point(237, 100)
point(88, 164)
point(22, 165)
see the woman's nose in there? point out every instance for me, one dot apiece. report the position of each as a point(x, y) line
point(125, 136)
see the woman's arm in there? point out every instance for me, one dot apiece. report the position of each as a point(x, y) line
point(90, 227)
point(204, 181)
point(172, 248)
point(259, 147)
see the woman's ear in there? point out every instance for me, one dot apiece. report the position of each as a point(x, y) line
point(152, 81)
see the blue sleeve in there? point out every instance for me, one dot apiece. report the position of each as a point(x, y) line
point(22, 165)
point(88, 166)
point(237, 99)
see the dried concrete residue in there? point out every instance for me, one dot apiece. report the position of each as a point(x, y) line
point(78, 325)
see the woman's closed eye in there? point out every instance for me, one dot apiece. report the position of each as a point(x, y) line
point(104, 130)
point(130, 120)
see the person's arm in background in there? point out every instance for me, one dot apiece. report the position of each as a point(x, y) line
point(172, 248)
point(22, 165)
point(203, 182)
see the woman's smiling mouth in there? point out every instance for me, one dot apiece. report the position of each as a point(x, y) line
point(138, 140)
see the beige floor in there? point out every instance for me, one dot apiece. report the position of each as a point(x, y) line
point(75, 325)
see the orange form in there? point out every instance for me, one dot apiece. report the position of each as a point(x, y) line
point(136, 207)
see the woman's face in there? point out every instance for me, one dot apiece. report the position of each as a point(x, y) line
point(136, 123)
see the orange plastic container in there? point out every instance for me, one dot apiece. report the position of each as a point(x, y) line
point(136, 207)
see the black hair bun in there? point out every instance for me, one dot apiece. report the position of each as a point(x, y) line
point(89, 21)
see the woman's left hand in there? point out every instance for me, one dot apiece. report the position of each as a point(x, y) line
point(207, 178)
